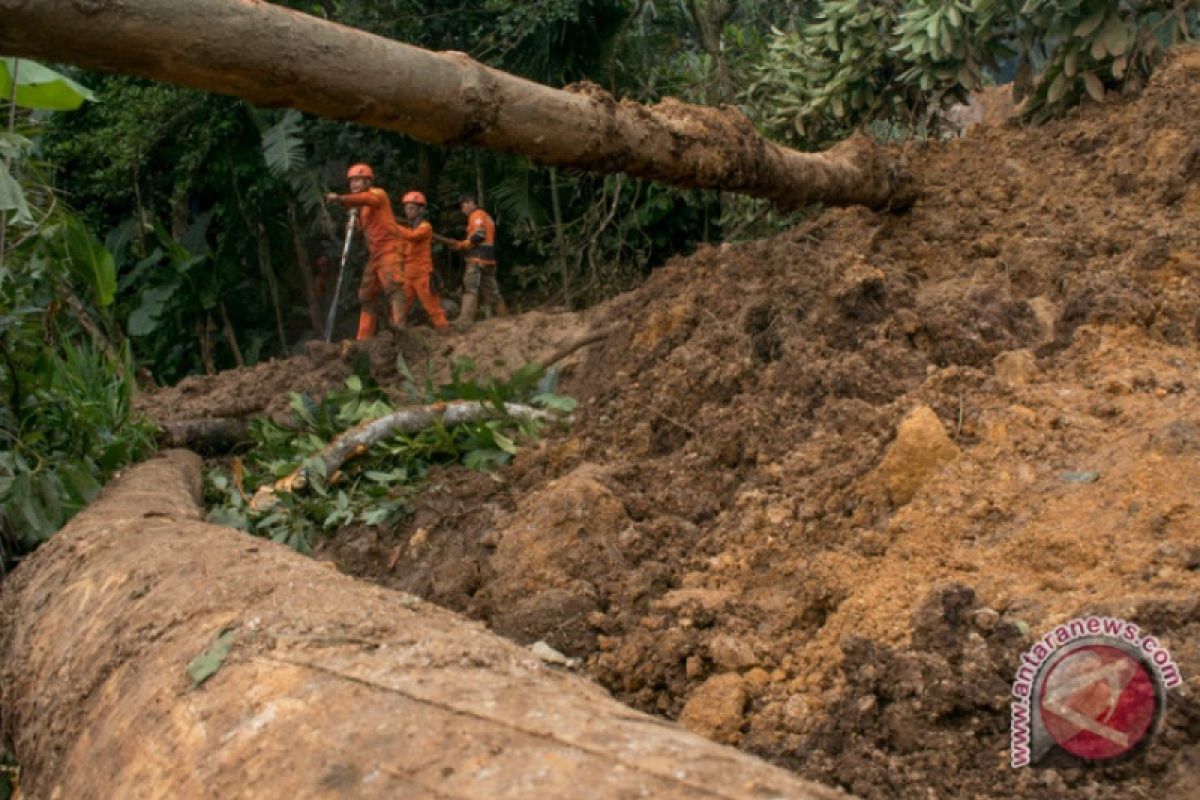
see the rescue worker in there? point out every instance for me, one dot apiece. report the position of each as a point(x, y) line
point(480, 276)
point(416, 241)
point(382, 276)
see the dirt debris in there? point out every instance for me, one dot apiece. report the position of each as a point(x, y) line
point(718, 538)
point(496, 346)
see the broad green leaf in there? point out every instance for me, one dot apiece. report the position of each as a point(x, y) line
point(504, 443)
point(144, 320)
point(947, 40)
point(1116, 36)
point(302, 407)
point(80, 483)
point(1089, 25)
point(1058, 88)
point(1094, 87)
point(376, 516)
point(14, 145)
point(556, 402)
point(90, 263)
point(141, 322)
point(12, 198)
point(205, 665)
point(50, 492)
point(395, 476)
point(209, 297)
point(484, 460)
point(40, 87)
point(24, 498)
point(282, 146)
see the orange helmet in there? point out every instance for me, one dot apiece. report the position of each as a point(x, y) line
point(414, 197)
point(360, 171)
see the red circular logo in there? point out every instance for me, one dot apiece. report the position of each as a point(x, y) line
point(1098, 701)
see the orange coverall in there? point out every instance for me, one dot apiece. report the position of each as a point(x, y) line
point(383, 274)
point(481, 239)
point(480, 246)
point(416, 252)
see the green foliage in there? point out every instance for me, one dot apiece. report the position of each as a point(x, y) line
point(40, 87)
point(10, 775)
point(179, 180)
point(1087, 47)
point(377, 487)
point(901, 62)
point(66, 394)
point(68, 426)
point(13, 147)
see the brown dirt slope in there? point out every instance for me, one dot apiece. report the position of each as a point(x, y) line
point(497, 347)
point(723, 538)
point(736, 534)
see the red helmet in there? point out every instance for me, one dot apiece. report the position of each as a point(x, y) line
point(360, 171)
point(414, 197)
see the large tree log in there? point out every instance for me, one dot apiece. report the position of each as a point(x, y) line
point(332, 688)
point(273, 56)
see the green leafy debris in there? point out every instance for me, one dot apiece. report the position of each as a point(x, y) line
point(377, 487)
point(205, 665)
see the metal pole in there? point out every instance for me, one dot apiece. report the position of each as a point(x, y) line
point(337, 289)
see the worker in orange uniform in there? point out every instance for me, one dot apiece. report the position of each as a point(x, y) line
point(480, 276)
point(416, 240)
point(382, 276)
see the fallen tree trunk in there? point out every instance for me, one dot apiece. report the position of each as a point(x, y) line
point(274, 56)
point(215, 435)
point(329, 688)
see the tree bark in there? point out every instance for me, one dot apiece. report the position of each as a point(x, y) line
point(210, 435)
point(203, 329)
point(710, 18)
point(330, 687)
point(85, 321)
point(230, 336)
point(274, 56)
point(304, 265)
point(560, 247)
point(268, 271)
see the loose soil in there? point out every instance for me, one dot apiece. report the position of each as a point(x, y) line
point(740, 532)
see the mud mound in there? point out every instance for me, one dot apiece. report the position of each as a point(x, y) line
point(497, 346)
point(826, 488)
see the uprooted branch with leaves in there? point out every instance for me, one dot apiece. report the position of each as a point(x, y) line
point(356, 457)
